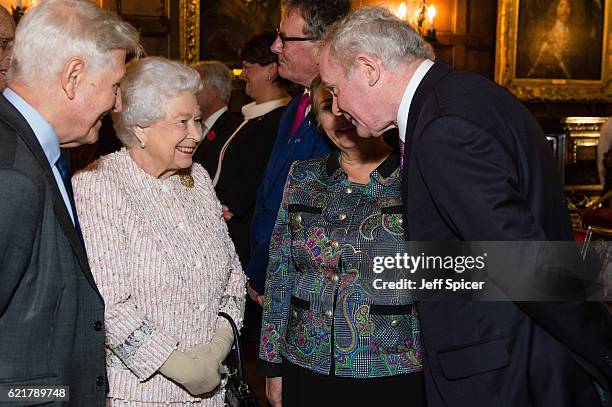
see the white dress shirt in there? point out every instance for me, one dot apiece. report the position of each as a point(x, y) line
point(404, 107)
point(208, 123)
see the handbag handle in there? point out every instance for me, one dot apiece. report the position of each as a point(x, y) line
point(239, 355)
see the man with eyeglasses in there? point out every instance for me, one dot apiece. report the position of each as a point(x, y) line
point(7, 35)
point(302, 25)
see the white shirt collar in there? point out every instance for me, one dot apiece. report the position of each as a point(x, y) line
point(404, 107)
point(253, 110)
point(214, 117)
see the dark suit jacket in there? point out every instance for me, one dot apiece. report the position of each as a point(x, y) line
point(306, 143)
point(207, 153)
point(243, 166)
point(477, 167)
point(51, 313)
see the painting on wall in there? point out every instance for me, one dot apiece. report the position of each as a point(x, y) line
point(554, 49)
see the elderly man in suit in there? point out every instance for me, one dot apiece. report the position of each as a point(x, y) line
point(68, 61)
point(476, 168)
point(7, 36)
point(219, 122)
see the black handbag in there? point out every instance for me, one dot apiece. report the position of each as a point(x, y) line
point(237, 392)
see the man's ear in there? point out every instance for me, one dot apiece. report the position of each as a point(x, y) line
point(72, 75)
point(369, 67)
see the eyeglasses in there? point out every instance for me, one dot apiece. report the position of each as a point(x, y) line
point(285, 39)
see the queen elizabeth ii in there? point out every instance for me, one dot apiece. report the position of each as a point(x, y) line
point(158, 247)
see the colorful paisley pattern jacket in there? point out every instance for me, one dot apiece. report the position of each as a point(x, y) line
point(321, 310)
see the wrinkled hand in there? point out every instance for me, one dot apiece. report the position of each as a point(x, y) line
point(227, 215)
point(197, 375)
point(274, 391)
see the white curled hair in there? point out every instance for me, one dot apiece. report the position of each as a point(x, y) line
point(56, 30)
point(377, 32)
point(148, 85)
point(217, 74)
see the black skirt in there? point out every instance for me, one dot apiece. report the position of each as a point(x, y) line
point(304, 388)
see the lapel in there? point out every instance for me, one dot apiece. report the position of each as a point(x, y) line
point(217, 127)
point(432, 77)
point(23, 131)
point(222, 122)
point(280, 144)
point(289, 145)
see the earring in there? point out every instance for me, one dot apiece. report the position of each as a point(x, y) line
point(269, 78)
point(142, 144)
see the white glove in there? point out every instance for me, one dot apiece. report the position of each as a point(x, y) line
point(198, 375)
point(217, 349)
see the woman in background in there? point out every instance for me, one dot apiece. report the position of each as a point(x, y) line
point(158, 247)
point(243, 158)
point(328, 337)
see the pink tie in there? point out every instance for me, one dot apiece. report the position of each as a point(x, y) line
point(300, 113)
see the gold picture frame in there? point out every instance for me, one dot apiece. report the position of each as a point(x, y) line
point(548, 59)
point(189, 30)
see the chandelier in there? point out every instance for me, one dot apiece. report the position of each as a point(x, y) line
point(420, 14)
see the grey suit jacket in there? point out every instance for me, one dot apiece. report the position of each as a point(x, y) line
point(51, 313)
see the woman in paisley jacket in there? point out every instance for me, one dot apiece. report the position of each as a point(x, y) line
point(329, 337)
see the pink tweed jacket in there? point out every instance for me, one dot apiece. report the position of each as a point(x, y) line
point(165, 265)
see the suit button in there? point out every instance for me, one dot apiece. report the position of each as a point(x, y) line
point(294, 313)
point(342, 216)
point(400, 221)
point(349, 190)
point(98, 325)
point(395, 323)
point(335, 278)
point(328, 313)
point(100, 381)
point(295, 222)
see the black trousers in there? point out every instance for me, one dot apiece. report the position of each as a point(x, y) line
point(304, 388)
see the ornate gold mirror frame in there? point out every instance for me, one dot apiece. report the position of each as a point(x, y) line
point(189, 30)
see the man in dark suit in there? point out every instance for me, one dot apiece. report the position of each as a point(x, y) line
point(51, 313)
point(302, 25)
point(476, 168)
point(219, 123)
